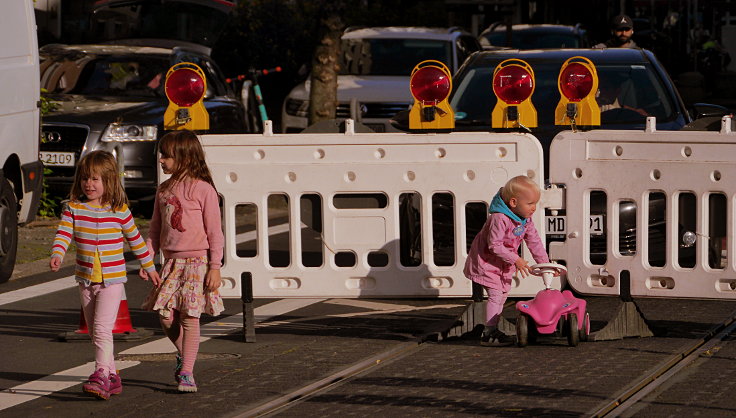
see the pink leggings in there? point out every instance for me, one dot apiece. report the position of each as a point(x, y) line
point(100, 306)
point(494, 305)
point(183, 331)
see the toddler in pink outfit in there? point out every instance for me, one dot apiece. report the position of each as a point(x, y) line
point(494, 254)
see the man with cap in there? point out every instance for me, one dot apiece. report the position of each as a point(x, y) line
point(622, 28)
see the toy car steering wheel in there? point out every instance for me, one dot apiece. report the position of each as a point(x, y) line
point(547, 271)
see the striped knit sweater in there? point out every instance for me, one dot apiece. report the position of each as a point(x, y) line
point(97, 229)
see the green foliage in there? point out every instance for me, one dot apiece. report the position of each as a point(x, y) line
point(47, 105)
point(49, 204)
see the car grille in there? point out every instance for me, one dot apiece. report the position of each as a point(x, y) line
point(66, 138)
point(372, 110)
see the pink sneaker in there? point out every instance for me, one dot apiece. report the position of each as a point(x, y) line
point(98, 385)
point(116, 384)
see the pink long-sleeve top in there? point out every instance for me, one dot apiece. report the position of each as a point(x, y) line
point(186, 223)
point(494, 251)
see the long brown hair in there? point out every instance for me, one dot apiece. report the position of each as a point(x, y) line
point(104, 165)
point(189, 162)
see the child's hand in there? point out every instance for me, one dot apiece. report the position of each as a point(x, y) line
point(155, 278)
point(212, 280)
point(522, 267)
point(55, 263)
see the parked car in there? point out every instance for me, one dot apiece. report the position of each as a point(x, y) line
point(375, 68)
point(641, 88)
point(534, 36)
point(111, 97)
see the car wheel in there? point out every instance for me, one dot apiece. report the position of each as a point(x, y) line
point(522, 330)
point(8, 230)
point(573, 337)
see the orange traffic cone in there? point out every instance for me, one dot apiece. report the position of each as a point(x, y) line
point(122, 330)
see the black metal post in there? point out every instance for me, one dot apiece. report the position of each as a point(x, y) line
point(246, 296)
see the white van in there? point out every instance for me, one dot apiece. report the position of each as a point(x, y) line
point(21, 171)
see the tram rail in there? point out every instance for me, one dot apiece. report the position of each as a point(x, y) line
point(627, 399)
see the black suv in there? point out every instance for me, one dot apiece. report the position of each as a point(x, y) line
point(112, 97)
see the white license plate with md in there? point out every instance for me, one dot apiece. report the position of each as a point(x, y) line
point(57, 158)
point(557, 225)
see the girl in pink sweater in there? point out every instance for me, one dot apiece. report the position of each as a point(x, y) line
point(186, 227)
point(494, 257)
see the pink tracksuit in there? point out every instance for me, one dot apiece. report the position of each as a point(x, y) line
point(492, 255)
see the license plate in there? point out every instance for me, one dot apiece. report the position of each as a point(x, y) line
point(557, 225)
point(57, 158)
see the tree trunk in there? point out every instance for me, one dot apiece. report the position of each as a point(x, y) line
point(325, 65)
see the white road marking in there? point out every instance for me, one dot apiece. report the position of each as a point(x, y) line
point(273, 230)
point(367, 304)
point(226, 325)
point(37, 290)
point(68, 378)
point(400, 308)
point(53, 383)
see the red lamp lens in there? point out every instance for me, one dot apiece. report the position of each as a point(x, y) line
point(430, 84)
point(184, 87)
point(513, 84)
point(576, 82)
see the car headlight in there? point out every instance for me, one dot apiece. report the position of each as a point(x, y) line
point(295, 107)
point(128, 133)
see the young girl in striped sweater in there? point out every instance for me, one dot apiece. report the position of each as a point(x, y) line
point(97, 218)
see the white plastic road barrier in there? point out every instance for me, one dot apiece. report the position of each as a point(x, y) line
point(659, 193)
point(360, 215)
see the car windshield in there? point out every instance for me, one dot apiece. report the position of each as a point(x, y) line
point(391, 56)
point(105, 76)
point(535, 40)
point(627, 94)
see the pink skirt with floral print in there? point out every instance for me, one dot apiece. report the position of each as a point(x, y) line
point(183, 290)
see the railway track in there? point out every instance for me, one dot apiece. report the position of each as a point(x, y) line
point(629, 400)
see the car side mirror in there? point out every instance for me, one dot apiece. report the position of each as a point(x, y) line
point(702, 110)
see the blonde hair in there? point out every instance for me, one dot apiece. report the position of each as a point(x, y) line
point(513, 187)
point(186, 150)
point(103, 164)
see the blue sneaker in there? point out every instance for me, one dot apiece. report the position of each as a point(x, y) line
point(186, 382)
point(179, 365)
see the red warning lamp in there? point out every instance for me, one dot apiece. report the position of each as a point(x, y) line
point(184, 87)
point(513, 84)
point(576, 82)
point(430, 85)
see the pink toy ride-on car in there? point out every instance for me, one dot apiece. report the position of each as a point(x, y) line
point(551, 310)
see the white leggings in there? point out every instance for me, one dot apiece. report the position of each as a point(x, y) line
point(100, 306)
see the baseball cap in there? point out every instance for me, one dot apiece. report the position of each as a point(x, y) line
point(622, 22)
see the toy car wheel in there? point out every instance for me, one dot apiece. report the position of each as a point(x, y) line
point(573, 335)
point(585, 328)
point(522, 330)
